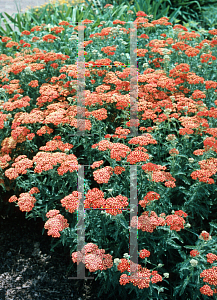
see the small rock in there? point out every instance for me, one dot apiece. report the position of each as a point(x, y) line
point(18, 278)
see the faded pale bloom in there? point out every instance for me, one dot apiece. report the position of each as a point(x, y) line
point(117, 261)
point(191, 160)
point(171, 137)
point(126, 255)
point(193, 262)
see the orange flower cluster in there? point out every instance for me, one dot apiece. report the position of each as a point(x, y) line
point(56, 223)
point(5, 39)
point(210, 84)
point(118, 22)
point(173, 152)
point(48, 94)
point(36, 28)
point(143, 140)
point(71, 202)
point(179, 26)
point(209, 276)
point(206, 57)
point(109, 50)
point(20, 166)
point(44, 130)
point(19, 134)
point(94, 198)
point(148, 221)
point(35, 116)
point(3, 161)
point(18, 103)
point(25, 201)
point(193, 122)
point(175, 222)
point(12, 44)
point(103, 175)
point(65, 23)
point(45, 161)
point(144, 253)
point(150, 196)
point(33, 83)
point(55, 144)
point(159, 176)
point(150, 167)
point(141, 14)
point(99, 114)
point(141, 52)
point(137, 156)
point(205, 236)
point(119, 151)
point(213, 31)
point(140, 278)
point(188, 35)
point(206, 290)
point(194, 253)
point(49, 38)
point(197, 94)
point(121, 132)
point(180, 46)
point(79, 124)
point(114, 205)
point(118, 170)
point(102, 145)
point(211, 257)
point(97, 164)
point(3, 117)
point(93, 258)
point(208, 168)
point(162, 21)
point(7, 145)
point(57, 29)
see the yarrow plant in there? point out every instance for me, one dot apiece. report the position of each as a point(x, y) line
point(174, 153)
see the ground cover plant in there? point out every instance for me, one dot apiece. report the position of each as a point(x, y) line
point(173, 155)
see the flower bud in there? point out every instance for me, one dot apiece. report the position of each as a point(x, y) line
point(166, 57)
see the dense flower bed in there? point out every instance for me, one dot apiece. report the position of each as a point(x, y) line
point(173, 157)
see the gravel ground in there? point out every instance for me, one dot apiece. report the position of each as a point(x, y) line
point(29, 270)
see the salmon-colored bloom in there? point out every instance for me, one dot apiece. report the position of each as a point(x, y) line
point(56, 223)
